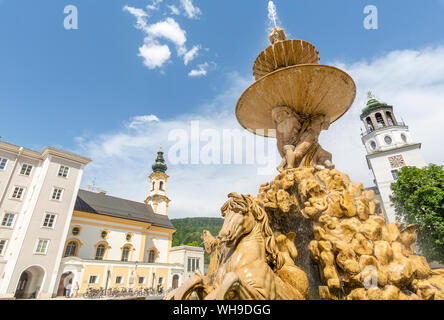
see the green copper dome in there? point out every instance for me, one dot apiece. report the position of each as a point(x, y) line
point(160, 165)
point(373, 103)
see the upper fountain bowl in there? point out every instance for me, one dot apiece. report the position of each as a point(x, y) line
point(283, 53)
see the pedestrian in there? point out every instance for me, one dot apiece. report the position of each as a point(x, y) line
point(68, 290)
point(76, 290)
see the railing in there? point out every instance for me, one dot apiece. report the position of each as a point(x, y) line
point(381, 126)
point(93, 293)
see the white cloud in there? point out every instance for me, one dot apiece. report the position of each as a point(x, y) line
point(191, 11)
point(412, 81)
point(154, 55)
point(170, 30)
point(141, 16)
point(138, 121)
point(174, 10)
point(191, 54)
point(201, 70)
point(154, 5)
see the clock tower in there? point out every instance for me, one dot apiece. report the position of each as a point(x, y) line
point(389, 147)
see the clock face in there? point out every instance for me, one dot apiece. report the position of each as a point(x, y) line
point(396, 161)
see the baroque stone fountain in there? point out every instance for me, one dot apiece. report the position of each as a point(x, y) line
point(311, 232)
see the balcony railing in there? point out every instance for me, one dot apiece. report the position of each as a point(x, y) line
point(381, 126)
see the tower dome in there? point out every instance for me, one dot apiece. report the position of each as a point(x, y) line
point(159, 166)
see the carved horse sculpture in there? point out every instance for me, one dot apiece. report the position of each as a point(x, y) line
point(247, 261)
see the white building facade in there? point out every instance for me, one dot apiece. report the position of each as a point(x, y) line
point(38, 191)
point(192, 260)
point(389, 147)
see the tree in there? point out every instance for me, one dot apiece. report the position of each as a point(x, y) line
point(418, 198)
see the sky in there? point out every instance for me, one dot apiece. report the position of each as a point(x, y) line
point(134, 73)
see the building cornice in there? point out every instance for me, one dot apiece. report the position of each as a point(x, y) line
point(44, 154)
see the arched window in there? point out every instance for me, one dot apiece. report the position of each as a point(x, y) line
point(370, 124)
point(390, 118)
point(154, 185)
point(71, 249)
point(125, 253)
point(161, 185)
point(151, 256)
point(379, 120)
point(100, 252)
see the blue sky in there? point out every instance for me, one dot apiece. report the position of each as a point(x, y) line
point(73, 89)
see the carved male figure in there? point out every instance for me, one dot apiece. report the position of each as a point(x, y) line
point(297, 139)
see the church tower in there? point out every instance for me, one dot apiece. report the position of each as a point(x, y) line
point(158, 186)
point(389, 148)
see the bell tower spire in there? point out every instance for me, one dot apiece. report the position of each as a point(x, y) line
point(157, 197)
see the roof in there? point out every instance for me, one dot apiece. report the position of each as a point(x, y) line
point(100, 203)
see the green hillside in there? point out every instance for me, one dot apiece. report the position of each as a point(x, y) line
point(189, 231)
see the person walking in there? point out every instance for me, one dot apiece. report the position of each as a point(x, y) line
point(76, 290)
point(68, 290)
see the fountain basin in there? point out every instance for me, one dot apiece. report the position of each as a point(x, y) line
point(306, 88)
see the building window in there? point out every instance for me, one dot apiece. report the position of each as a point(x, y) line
point(26, 170)
point(42, 246)
point(373, 145)
point(63, 171)
point(119, 279)
point(128, 237)
point(104, 234)
point(100, 252)
point(390, 118)
point(2, 246)
point(125, 253)
point(49, 220)
point(154, 184)
point(161, 185)
point(3, 162)
point(403, 137)
point(93, 279)
point(379, 120)
point(75, 231)
point(71, 249)
point(370, 124)
point(8, 220)
point(395, 174)
point(141, 280)
point(388, 140)
point(151, 256)
point(193, 264)
point(18, 193)
point(57, 194)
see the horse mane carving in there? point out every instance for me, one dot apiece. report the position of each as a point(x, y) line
point(249, 204)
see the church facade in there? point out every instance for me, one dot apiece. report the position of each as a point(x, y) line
point(93, 241)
